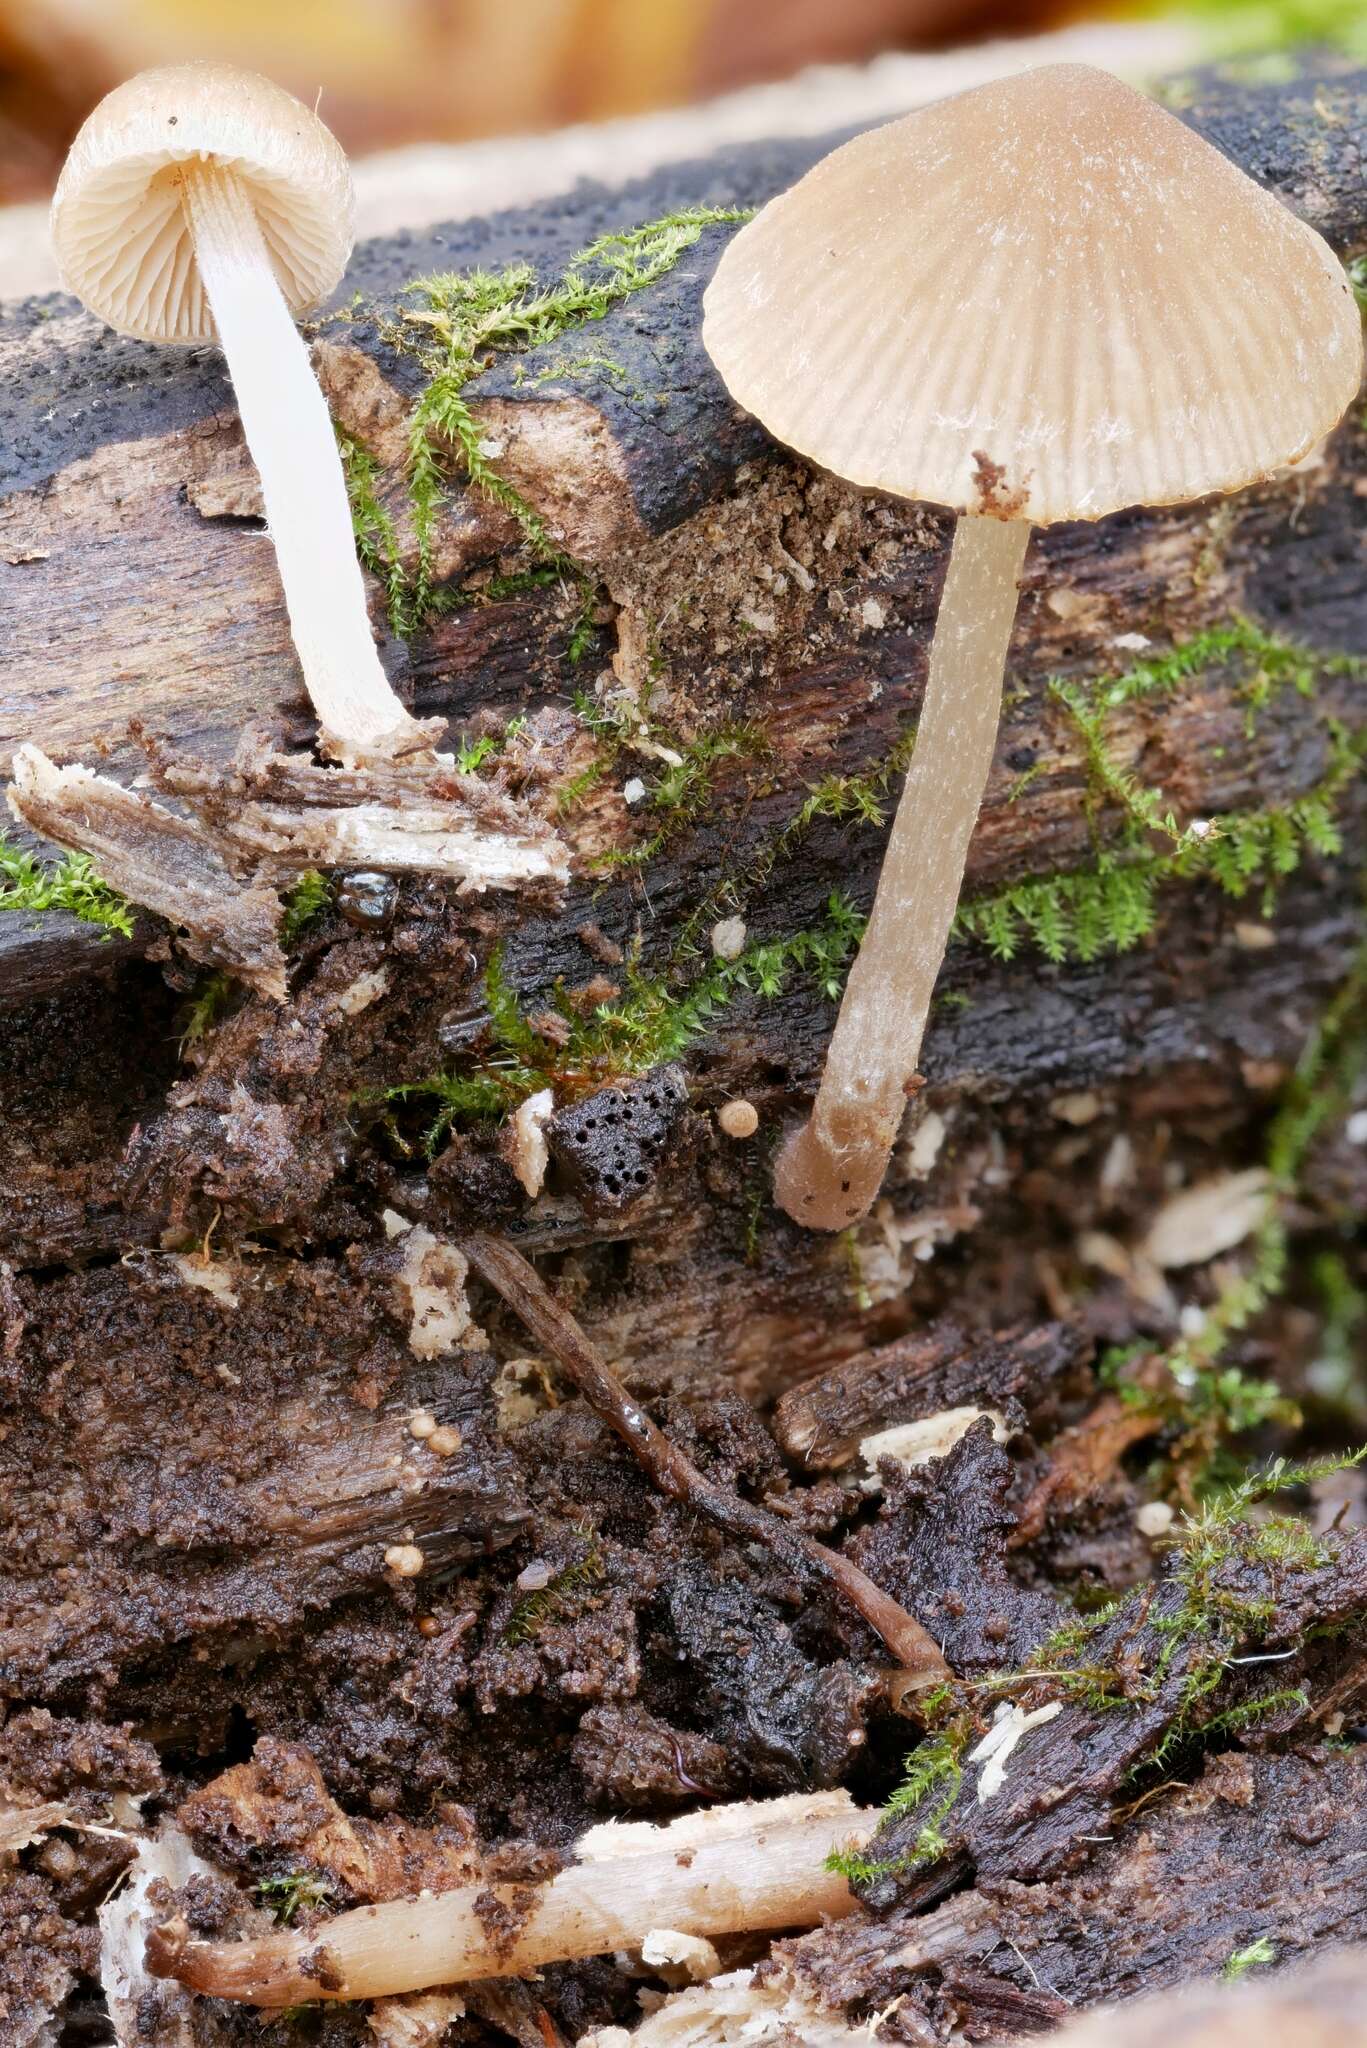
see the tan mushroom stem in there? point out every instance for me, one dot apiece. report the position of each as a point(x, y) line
point(741, 1869)
point(829, 1172)
point(289, 433)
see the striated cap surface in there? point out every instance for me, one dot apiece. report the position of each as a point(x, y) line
point(1044, 298)
point(118, 226)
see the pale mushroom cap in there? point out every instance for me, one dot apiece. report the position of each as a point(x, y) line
point(118, 227)
point(1050, 273)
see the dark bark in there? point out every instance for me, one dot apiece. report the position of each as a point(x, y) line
point(1257, 1849)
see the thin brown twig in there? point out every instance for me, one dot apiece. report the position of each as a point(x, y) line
point(526, 1293)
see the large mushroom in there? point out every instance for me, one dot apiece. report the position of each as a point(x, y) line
point(202, 203)
point(1043, 300)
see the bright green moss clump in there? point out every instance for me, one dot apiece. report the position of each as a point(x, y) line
point(72, 884)
point(1113, 904)
point(457, 321)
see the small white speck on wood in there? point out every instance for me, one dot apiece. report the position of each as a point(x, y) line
point(1210, 1218)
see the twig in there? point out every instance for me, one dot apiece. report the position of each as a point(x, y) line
point(733, 1869)
point(552, 1325)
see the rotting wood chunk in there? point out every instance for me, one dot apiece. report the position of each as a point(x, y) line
point(612, 1145)
point(280, 813)
point(1260, 1848)
point(822, 1420)
point(227, 1464)
point(165, 863)
point(272, 1818)
point(940, 1544)
point(211, 868)
point(1170, 1662)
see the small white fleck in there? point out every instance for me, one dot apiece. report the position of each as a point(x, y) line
point(728, 938)
point(633, 791)
point(996, 1746)
point(1078, 1109)
point(924, 1146)
point(527, 1150)
point(1155, 1518)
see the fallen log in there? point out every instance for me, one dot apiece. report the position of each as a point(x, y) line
point(765, 629)
point(718, 657)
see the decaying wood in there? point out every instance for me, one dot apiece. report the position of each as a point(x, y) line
point(296, 1477)
point(268, 821)
point(821, 1421)
point(263, 1479)
point(1066, 1778)
point(1257, 1848)
point(1320, 2006)
point(920, 1662)
point(115, 507)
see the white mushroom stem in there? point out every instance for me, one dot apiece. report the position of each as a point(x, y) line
point(729, 1870)
point(289, 433)
point(829, 1172)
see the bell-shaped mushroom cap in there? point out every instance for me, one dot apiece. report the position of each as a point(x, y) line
point(1044, 298)
point(122, 241)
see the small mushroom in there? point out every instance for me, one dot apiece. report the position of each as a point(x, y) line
point(738, 1118)
point(202, 203)
point(1045, 299)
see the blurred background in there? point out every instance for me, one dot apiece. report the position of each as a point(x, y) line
point(393, 72)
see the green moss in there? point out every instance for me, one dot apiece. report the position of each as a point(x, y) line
point(72, 884)
point(1210, 1623)
point(652, 1022)
point(286, 1896)
point(1267, 29)
point(455, 322)
point(487, 747)
point(308, 899)
point(1339, 1373)
point(1206, 1400)
point(377, 541)
point(536, 1610)
point(933, 1774)
point(681, 794)
point(1254, 1957)
point(845, 799)
point(205, 1007)
point(1113, 904)
point(1199, 1621)
point(1109, 906)
point(589, 364)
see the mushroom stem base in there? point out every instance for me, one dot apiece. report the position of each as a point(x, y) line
point(829, 1173)
point(289, 434)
